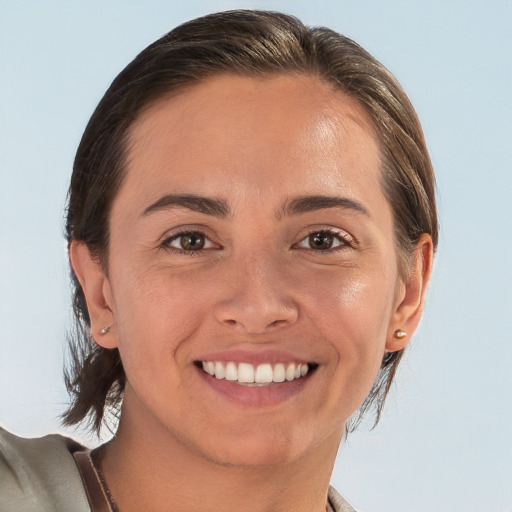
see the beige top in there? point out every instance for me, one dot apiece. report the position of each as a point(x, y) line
point(41, 475)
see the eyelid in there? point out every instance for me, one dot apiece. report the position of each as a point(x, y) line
point(180, 231)
point(346, 238)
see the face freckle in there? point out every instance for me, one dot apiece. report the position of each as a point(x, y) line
point(257, 289)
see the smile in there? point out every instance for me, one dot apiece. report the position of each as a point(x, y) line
point(260, 375)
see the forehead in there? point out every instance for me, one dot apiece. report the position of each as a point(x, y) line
point(282, 130)
point(226, 99)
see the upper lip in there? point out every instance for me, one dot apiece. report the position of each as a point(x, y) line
point(254, 357)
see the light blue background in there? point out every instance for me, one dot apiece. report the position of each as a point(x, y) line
point(445, 441)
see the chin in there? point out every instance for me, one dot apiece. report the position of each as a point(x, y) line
point(254, 456)
point(258, 449)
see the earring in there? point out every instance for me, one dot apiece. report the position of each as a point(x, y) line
point(105, 330)
point(400, 334)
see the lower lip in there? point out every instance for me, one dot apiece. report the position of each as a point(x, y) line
point(256, 395)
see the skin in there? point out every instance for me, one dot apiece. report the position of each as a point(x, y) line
point(257, 285)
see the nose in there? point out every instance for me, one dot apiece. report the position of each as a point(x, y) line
point(256, 296)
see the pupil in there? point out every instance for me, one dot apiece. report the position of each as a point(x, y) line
point(192, 242)
point(320, 241)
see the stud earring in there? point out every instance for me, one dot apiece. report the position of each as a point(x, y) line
point(105, 330)
point(400, 334)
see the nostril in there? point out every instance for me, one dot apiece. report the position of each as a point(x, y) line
point(275, 323)
point(254, 314)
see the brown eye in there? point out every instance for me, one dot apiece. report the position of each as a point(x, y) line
point(321, 240)
point(190, 241)
point(325, 240)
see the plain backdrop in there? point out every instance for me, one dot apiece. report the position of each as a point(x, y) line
point(445, 441)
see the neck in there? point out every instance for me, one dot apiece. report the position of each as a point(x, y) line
point(157, 471)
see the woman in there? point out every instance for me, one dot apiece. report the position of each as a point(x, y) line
point(251, 230)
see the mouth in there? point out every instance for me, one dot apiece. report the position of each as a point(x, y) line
point(265, 374)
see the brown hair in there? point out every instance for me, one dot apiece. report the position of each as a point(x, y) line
point(249, 43)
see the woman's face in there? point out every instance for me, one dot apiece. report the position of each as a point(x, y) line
point(251, 239)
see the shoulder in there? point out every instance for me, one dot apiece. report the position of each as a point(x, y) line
point(338, 502)
point(39, 475)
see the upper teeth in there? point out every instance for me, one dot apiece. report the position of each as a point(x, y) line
point(246, 373)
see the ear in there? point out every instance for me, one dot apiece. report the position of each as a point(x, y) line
point(98, 294)
point(411, 296)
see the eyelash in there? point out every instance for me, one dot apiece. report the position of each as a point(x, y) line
point(193, 232)
point(346, 241)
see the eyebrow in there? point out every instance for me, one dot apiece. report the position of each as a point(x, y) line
point(220, 208)
point(312, 203)
point(208, 206)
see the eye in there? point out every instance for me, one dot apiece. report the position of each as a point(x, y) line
point(324, 240)
point(190, 241)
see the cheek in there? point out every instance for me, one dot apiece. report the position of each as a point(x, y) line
point(352, 300)
point(155, 313)
point(351, 315)
point(351, 310)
